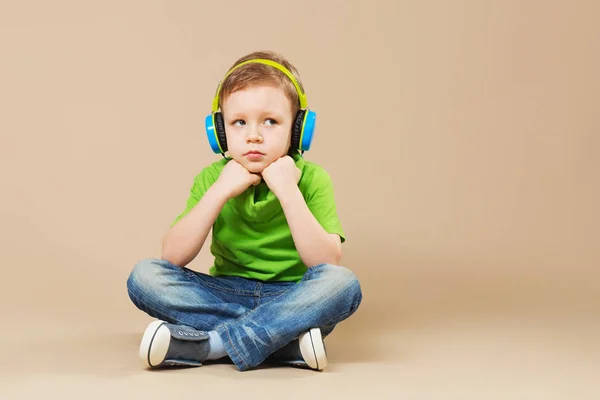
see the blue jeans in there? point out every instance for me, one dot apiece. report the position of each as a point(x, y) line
point(253, 318)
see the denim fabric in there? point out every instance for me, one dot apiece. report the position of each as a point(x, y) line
point(253, 318)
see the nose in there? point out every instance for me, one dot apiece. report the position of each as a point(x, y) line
point(254, 137)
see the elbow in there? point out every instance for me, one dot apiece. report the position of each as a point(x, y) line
point(335, 255)
point(173, 259)
point(336, 259)
point(168, 253)
point(333, 258)
point(167, 256)
point(164, 252)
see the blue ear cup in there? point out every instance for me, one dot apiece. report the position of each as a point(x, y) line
point(303, 130)
point(308, 130)
point(215, 131)
point(211, 134)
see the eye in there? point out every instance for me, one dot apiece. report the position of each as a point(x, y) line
point(271, 121)
point(241, 122)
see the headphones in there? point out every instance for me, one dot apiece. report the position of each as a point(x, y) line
point(303, 127)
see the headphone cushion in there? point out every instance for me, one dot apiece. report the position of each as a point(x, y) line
point(220, 129)
point(297, 129)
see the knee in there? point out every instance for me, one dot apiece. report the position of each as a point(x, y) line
point(341, 283)
point(340, 273)
point(340, 278)
point(146, 276)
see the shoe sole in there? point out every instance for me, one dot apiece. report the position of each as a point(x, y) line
point(313, 349)
point(155, 344)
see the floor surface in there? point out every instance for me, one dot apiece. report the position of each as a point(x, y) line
point(493, 357)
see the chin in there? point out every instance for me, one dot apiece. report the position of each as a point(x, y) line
point(254, 167)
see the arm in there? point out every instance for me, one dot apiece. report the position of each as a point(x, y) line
point(313, 243)
point(183, 242)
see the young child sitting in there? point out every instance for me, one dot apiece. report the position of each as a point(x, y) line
point(276, 288)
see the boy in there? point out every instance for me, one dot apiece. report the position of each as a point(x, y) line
point(276, 288)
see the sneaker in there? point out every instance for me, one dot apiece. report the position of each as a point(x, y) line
point(165, 344)
point(308, 351)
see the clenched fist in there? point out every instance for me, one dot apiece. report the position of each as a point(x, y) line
point(235, 178)
point(281, 175)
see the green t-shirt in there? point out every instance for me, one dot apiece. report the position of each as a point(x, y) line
point(251, 237)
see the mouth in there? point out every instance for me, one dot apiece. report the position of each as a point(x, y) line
point(254, 156)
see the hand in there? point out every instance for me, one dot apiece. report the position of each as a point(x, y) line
point(281, 175)
point(235, 178)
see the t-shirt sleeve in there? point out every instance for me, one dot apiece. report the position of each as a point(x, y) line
point(202, 182)
point(321, 202)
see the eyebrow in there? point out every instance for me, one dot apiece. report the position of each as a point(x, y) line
point(271, 114)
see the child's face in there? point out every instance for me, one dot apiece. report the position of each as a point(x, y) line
point(258, 118)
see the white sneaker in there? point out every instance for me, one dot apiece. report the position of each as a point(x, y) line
point(165, 344)
point(306, 351)
point(312, 349)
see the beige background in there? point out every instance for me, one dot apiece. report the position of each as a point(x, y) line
point(462, 137)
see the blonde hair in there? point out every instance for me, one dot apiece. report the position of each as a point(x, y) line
point(256, 74)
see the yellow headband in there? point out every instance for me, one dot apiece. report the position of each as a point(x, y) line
point(301, 95)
